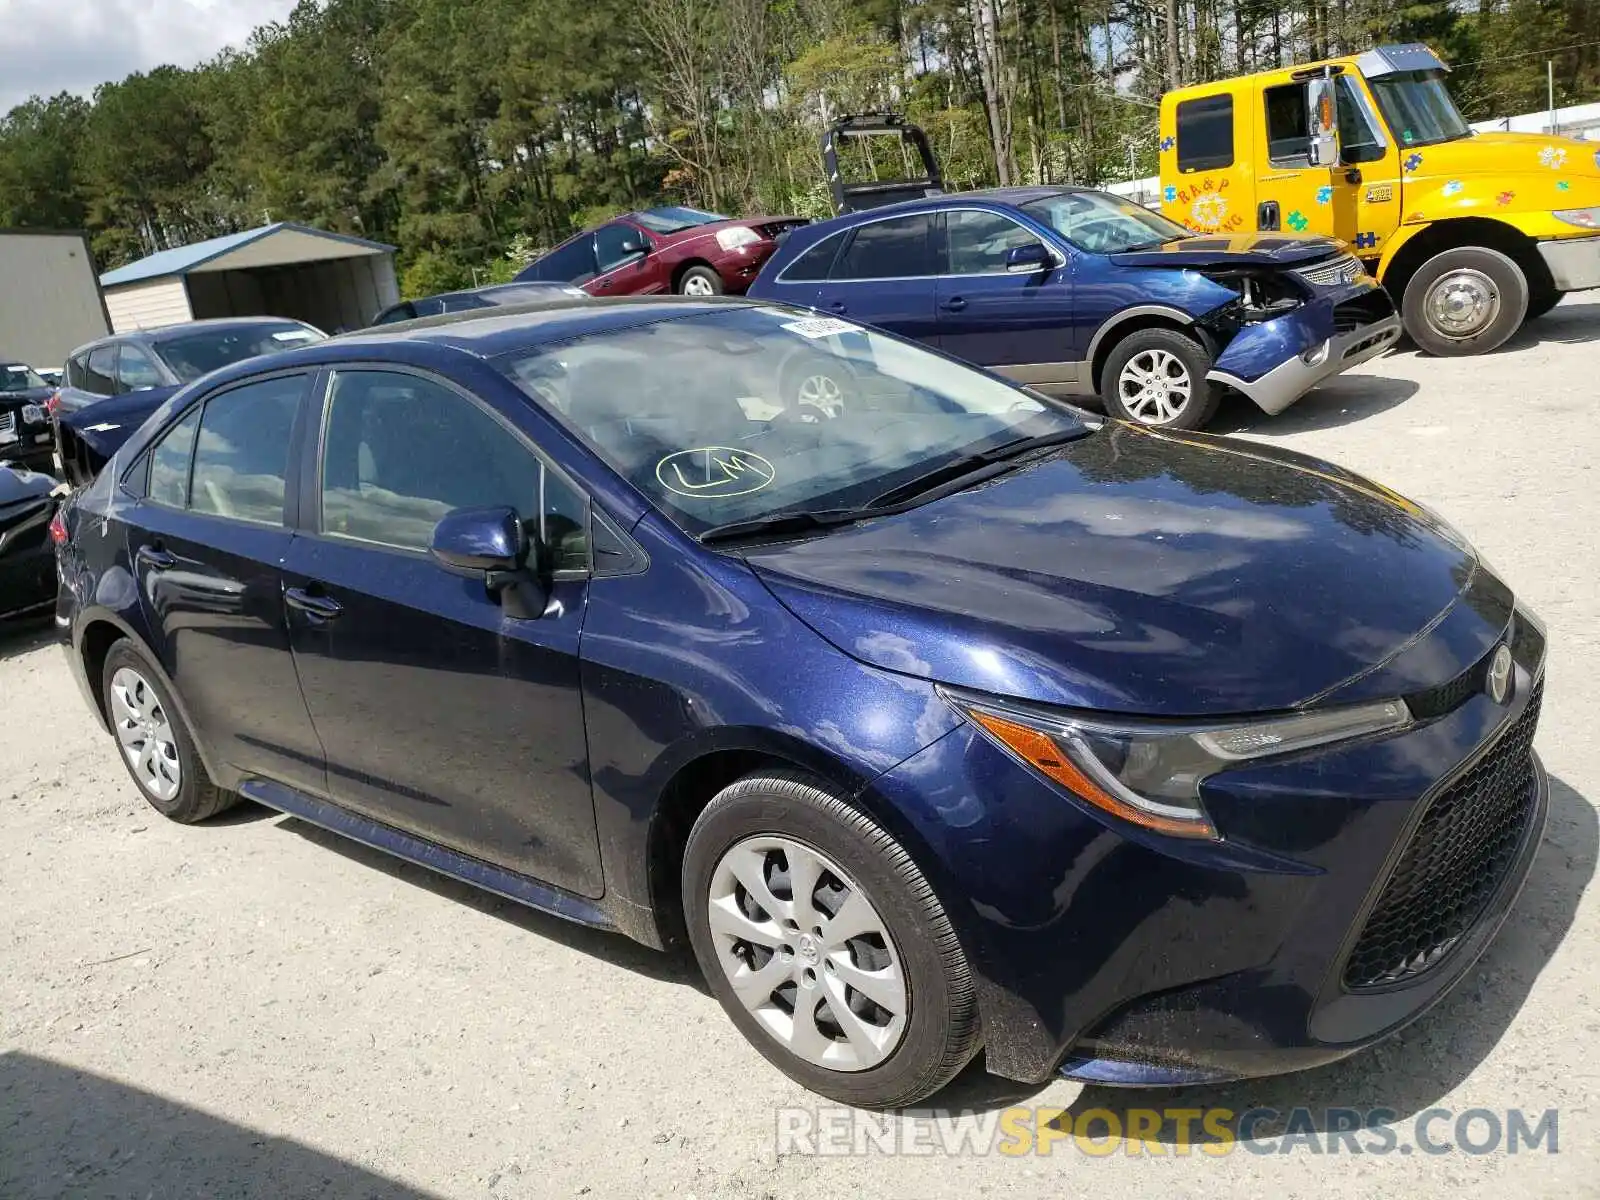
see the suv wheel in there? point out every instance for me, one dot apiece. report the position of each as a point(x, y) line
point(825, 944)
point(700, 281)
point(1158, 377)
point(157, 747)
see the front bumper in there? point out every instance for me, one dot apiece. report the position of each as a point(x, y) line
point(1574, 263)
point(1288, 381)
point(1106, 954)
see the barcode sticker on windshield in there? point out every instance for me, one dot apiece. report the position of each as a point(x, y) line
point(815, 327)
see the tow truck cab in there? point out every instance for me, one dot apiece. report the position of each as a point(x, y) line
point(1472, 233)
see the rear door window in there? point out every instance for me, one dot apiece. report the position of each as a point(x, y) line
point(1205, 133)
point(241, 460)
point(100, 376)
point(816, 262)
point(900, 248)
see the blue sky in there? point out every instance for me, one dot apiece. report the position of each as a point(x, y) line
point(50, 46)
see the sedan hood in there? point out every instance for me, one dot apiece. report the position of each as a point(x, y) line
point(1137, 572)
point(18, 486)
point(106, 424)
point(1232, 250)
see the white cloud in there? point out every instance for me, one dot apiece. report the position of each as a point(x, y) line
point(52, 46)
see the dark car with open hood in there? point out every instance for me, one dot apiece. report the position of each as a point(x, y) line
point(939, 719)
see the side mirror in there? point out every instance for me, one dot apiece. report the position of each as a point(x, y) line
point(1323, 118)
point(490, 544)
point(1025, 260)
point(634, 248)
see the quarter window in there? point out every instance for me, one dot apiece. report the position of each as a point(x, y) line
point(893, 249)
point(1205, 133)
point(978, 242)
point(400, 452)
point(242, 456)
point(815, 263)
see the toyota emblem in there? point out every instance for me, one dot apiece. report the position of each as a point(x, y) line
point(1498, 685)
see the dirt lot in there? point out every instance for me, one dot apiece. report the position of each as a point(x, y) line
point(255, 1008)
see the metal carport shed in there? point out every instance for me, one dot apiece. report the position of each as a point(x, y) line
point(329, 280)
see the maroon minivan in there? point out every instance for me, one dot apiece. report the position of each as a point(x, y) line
point(664, 250)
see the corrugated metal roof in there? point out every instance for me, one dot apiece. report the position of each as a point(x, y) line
point(183, 259)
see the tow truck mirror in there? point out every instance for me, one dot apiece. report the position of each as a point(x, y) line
point(1323, 112)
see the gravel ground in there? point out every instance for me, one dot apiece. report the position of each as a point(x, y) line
point(256, 1008)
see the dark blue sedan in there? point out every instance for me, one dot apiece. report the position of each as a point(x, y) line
point(937, 719)
point(1078, 292)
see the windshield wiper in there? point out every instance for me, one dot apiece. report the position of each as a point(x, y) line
point(789, 522)
point(969, 469)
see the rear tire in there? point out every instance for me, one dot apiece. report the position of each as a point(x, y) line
point(1157, 377)
point(1464, 301)
point(700, 281)
point(867, 918)
point(153, 740)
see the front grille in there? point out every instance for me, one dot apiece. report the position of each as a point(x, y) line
point(1455, 862)
point(8, 422)
point(1346, 268)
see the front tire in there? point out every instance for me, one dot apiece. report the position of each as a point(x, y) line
point(155, 743)
point(700, 281)
point(825, 944)
point(1464, 301)
point(1158, 377)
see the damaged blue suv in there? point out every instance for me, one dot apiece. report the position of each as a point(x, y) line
point(1078, 292)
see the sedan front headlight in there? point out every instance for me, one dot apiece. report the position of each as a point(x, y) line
point(1149, 772)
point(1587, 218)
point(735, 236)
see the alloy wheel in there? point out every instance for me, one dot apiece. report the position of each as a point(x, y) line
point(697, 285)
point(1462, 303)
point(823, 392)
point(807, 953)
point(1155, 387)
point(145, 734)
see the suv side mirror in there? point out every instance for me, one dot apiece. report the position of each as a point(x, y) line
point(1025, 260)
point(634, 247)
point(491, 544)
point(1323, 117)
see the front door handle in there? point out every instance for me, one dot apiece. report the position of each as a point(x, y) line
point(954, 304)
point(318, 608)
point(155, 558)
point(837, 306)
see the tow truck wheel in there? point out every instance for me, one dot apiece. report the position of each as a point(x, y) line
point(1465, 301)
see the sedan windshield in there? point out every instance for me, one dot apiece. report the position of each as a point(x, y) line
point(1418, 109)
point(748, 413)
point(1102, 223)
point(192, 355)
point(15, 377)
point(673, 218)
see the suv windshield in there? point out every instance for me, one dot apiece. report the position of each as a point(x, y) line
point(1102, 223)
point(1418, 109)
point(15, 377)
point(746, 413)
point(192, 355)
point(673, 218)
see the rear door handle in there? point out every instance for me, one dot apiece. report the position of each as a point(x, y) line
point(954, 304)
point(837, 306)
point(320, 608)
point(155, 558)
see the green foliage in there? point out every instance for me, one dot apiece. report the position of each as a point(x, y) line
point(473, 132)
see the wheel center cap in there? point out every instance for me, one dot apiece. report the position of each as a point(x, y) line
point(808, 951)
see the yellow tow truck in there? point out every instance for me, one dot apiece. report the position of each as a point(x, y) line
point(1472, 233)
